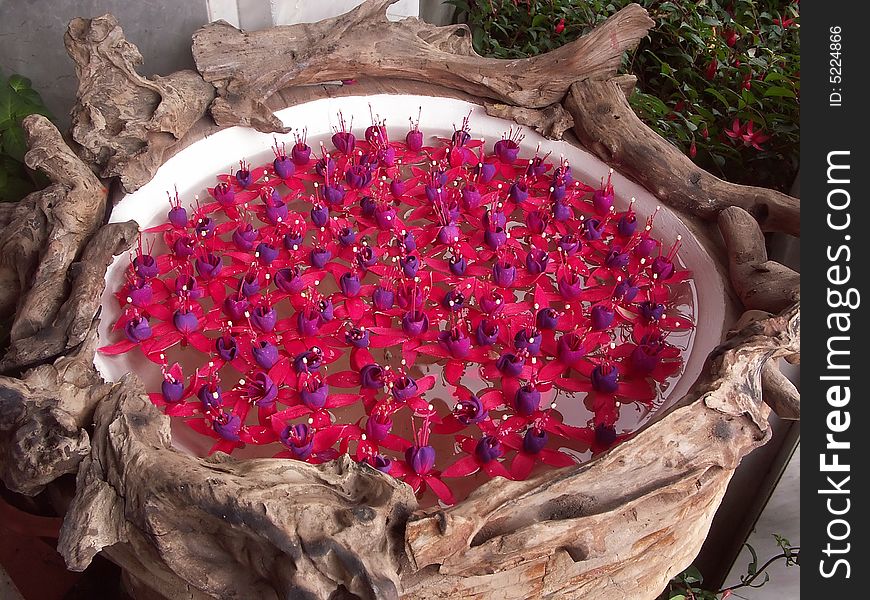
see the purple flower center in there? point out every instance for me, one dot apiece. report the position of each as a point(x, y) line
point(471, 411)
point(651, 311)
point(486, 332)
point(185, 322)
point(284, 167)
point(244, 236)
point(456, 343)
point(350, 285)
point(226, 347)
point(224, 194)
point(507, 151)
point(534, 440)
point(264, 318)
point(172, 391)
point(627, 224)
point(357, 337)
point(301, 154)
point(527, 400)
point(209, 266)
point(228, 427)
point(510, 364)
point(289, 279)
point(137, 329)
point(602, 317)
point(415, 323)
point(488, 449)
point(145, 266)
point(299, 439)
point(604, 379)
point(178, 217)
point(371, 377)
point(211, 396)
point(319, 257)
point(410, 265)
point(404, 388)
point(378, 427)
point(265, 355)
point(547, 318)
point(235, 309)
point(414, 140)
point(183, 247)
point(314, 394)
point(420, 459)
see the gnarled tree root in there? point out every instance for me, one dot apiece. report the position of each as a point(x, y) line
point(249, 67)
point(123, 121)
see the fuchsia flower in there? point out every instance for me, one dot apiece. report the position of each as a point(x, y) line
point(746, 134)
point(499, 280)
point(731, 37)
point(712, 67)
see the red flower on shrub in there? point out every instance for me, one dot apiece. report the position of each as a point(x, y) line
point(746, 133)
point(754, 138)
point(710, 72)
point(560, 26)
point(730, 37)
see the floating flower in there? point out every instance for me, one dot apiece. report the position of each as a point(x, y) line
point(364, 276)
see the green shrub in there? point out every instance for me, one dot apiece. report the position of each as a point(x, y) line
point(17, 100)
point(703, 65)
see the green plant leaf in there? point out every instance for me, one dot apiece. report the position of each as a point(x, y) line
point(19, 83)
point(693, 575)
point(13, 187)
point(7, 112)
point(716, 94)
point(779, 92)
point(14, 143)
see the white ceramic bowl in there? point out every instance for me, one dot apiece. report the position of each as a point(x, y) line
point(194, 168)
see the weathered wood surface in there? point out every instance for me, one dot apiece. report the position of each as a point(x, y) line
point(551, 122)
point(760, 283)
point(40, 245)
point(263, 528)
point(124, 122)
point(249, 67)
point(44, 416)
point(622, 525)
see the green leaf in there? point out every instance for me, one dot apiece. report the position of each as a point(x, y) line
point(14, 143)
point(715, 93)
point(779, 92)
point(7, 112)
point(752, 568)
point(539, 20)
point(774, 76)
point(13, 187)
point(19, 83)
point(477, 39)
point(693, 575)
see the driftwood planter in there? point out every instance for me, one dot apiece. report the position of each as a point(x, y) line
point(182, 527)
